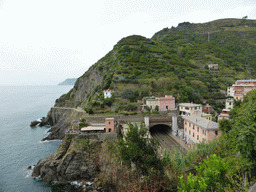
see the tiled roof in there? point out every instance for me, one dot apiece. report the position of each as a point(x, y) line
point(202, 122)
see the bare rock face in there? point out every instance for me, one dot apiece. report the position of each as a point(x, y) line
point(72, 162)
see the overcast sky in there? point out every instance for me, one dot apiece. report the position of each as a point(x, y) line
point(43, 42)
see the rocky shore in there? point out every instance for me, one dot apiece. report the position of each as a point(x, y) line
point(75, 161)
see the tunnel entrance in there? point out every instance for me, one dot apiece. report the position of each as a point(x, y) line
point(162, 128)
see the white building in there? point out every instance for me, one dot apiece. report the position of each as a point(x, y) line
point(108, 93)
point(190, 108)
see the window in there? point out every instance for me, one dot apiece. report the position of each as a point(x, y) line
point(189, 132)
point(193, 126)
point(109, 122)
point(189, 124)
point(195, 108)
point(205, 133)
point(185, 122)
point(181, 107)
point(109, 130)
point(197, 129)
point(198, 107)
point(216, 133)
point(193, 134)
point(197, 137)
point(185, 129)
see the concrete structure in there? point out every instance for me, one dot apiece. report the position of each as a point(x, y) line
point(198, 129)
point(164, 103)
point(108, 93)
point(190, 108)
point(99, 128)
point(241, 88)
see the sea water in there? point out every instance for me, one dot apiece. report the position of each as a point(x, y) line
point(20, 145)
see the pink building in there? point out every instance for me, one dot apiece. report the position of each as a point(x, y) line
point(164, 103)
point(110, 125)
point(198, 129)
point(241, 88)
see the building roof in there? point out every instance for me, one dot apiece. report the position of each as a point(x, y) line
point(247, 80)
point(202, 122)
point(190, 105)
point(109, 119)
point(92, 128)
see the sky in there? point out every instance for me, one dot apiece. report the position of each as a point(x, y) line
point(44, 42)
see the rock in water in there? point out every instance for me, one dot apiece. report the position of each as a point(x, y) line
point(34, 123)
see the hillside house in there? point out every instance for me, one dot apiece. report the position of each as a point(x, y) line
point(198, 129)
point(190, 108)
point(224, 114)
point(241, 88)
point(164, 103)
point(213, 66)
point(207, 108)
point(108, 93)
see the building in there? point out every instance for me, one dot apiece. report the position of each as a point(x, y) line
point(164, 103)
point(198, 129)
point(229, 104)
point(213, 66)
point(108, 127)
point(224, 114)
point(230, 91)
point(241, 88)
point(207, 108)
point(190, 108)
point(108, 93)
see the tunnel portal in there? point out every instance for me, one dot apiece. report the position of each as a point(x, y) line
point(162, 128)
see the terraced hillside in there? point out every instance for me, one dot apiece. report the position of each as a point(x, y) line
point(174, 61)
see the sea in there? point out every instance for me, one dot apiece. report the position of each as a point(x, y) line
point(20, 144)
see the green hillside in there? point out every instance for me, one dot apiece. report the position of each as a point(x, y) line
point(175, 61)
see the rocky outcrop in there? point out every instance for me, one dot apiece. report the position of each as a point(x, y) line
point(60, 119)
point(82, 88)
point(75, 160)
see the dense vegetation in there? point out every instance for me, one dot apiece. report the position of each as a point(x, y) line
point(175, 61)
point(224, 164)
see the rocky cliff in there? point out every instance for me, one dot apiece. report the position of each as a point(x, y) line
point(75, 160)
point(61, 119)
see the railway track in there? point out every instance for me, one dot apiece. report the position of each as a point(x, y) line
point(165, 140)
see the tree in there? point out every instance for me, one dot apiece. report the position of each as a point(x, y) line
point(225, 125)
point(157, 108)
point(211, 176)
point(138, 149)
point(243, 132)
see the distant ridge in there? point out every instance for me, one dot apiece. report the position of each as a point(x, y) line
point(68, 82)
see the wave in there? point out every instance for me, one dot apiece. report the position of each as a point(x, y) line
point(28, 172)
point(47, 141)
